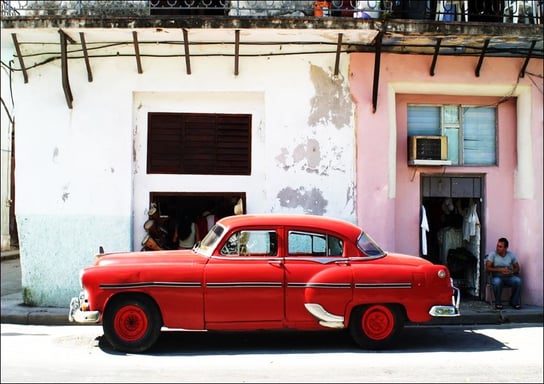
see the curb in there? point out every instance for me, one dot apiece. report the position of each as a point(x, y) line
point(26, 315)
point(9, 255)
point(500, 317)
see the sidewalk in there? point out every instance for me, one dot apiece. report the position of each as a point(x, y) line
point(15, 312)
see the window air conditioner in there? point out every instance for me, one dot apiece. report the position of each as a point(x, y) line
point(428, 150)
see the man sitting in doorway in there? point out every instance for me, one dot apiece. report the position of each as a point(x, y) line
point(504, 267)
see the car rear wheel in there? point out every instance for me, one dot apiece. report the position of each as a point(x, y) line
point(132, 324)
point(375, 326)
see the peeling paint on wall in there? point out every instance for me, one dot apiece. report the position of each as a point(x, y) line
point(350, 197)
point(309, 152)
point(311, 159)
point(55, 155)
point(65, 194)
point(331, 103)
point(311, 201)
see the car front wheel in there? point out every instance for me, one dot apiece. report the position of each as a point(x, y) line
point(375, 326)
point(132, 324)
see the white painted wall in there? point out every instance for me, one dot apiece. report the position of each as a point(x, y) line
point(80, 173)
point(6, 128)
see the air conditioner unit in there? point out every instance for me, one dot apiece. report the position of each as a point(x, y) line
point(428, 150)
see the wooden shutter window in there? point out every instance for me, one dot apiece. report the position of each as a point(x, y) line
point(199, 143)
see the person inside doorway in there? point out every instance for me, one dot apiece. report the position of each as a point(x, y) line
point(186, 234)
point(504, 268)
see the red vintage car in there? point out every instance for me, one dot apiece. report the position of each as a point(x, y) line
point(266, 271)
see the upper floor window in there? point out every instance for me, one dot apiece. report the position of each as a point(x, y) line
point(471, 130)
point(199, 143)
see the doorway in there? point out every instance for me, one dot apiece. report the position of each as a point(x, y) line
point(453, 208)
point(169, 211)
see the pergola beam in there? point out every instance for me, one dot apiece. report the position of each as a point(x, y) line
point(435, 55)
point(376, 81)
point(64, 67)
point(481, 60)
point(236, 51)
point(187, 55)
point(137, 51)
point(338, 51)
point(20, 56)
point(524, 67)
point(86, 55)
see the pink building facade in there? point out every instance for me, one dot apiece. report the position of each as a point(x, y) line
point(508, 195)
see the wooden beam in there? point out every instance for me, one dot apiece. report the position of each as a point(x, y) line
point(338, 51)
point(187, 55)
point(435, 56)
point(20, 57)
point(524, 67)
point(377, 61)
point(64, 69)
point(481, 60)
point(236, 51)
point(137, 51)
point(86, 54)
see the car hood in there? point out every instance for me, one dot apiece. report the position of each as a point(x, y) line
point(185, 256)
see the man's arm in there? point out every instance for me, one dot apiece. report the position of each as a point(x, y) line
point(489, 266)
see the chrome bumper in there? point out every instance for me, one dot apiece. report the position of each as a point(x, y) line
point(79, 316)
point(448, 310)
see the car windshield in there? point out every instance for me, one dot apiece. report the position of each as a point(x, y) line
point(209, 242)
point(366, 244)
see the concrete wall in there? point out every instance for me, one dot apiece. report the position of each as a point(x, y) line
point(6, 129)
point(80, 173)
point(317, 148)
point(388, 192)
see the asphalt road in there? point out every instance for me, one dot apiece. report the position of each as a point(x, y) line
point(503, 353)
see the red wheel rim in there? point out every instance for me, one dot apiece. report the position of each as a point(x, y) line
point(378, 322)
point(131, 323)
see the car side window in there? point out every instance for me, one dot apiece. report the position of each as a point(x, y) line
point(315, 244)
point(252, 243)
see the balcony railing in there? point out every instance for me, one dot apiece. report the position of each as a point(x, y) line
point(509, 11)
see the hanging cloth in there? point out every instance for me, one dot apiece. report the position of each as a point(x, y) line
point(470, 223)
point(424, 230)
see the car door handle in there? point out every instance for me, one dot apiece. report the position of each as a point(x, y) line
point(277, 263)
point(342, 261)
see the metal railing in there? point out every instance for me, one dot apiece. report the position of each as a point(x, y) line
point(509, 11)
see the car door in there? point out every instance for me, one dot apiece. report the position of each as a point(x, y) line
point(244, 280)
point(316, 272)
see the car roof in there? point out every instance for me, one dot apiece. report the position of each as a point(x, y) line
point(278, 219)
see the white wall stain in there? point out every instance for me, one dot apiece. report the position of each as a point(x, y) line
point(331, 103)
point(55, 155)
point(311, 201)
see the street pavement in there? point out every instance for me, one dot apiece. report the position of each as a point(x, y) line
point(14, 311)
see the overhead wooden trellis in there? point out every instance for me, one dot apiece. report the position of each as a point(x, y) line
point(381, 43)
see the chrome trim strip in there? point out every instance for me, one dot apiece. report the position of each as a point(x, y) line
point(316, 259)
point(156, 284)
point(254, 284)
point(382, 285)
point(245, 258)
point(325, 318)
point(319, 285)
